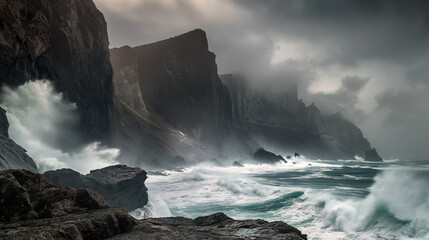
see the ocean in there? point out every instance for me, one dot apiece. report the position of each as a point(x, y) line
point(344, 199)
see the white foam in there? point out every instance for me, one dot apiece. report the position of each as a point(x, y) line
point(40, 118)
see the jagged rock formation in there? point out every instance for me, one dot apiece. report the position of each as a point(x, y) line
point(32, 208)
point(120, 185)
point(372, 156)
point(263, 156)
point(67, 43)
point(284, 122)
point(12, 156)
point(169, 95)
point(215, 226)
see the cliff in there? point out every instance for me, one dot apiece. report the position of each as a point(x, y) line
point(171, 93)
point(67, 43)
point(283, 122)
point(12, 156)
point(119, 185)
point(32, 208)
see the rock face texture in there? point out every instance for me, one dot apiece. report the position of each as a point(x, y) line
point(263, 156)
point(171, 88)
point(284, 122)
point(12, 156)
point(216, 226)
point(32, 208)
point(372, 156)
point(120, 185)
point(67, 43)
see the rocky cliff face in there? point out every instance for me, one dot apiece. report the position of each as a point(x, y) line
point(32, 208)
point(283, 122)
point(12, 156)
point(67, 43)
point(168, 94)
point(120, 185)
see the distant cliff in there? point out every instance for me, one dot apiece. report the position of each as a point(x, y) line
point(66, 42)
point(284, 122)
point(170, 92)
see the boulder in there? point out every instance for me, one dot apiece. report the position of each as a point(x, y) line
point(119, 185)
point(263, 156)
point(372, 156)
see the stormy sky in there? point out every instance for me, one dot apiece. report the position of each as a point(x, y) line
point(368, 59)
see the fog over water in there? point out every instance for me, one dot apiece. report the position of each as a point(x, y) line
point(366, 59)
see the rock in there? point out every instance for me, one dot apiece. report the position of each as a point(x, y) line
point(12, 156)
point(178, 93)
point(216, 226)
point(288, 157)
point(237, 164)
point(119, 185)
point(296, 154)
point(32, 208)
point(264, 156)
point(27, 195)
point(65, 42)
point(372, 156)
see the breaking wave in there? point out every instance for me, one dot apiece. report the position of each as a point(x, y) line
point(44, 123)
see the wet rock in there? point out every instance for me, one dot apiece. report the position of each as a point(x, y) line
point(119, 185)
point(296, 154)
point(372, 156)
point(215, 226)
point(263, 156)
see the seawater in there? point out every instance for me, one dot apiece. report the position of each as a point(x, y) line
point(348, 199)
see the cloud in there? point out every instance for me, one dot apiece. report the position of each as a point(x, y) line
point(345, 99)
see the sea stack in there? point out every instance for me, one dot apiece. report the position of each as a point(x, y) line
point(372, 156)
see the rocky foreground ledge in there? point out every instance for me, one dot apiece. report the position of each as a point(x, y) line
point(32, 208)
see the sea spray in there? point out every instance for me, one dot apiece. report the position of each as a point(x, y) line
point(327, 200)
point(44, 123)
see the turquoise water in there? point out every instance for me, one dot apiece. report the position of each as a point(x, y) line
point(325, 199)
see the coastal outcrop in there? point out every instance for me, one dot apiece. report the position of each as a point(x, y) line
point(171, 94)
point(372, 156)
point(32, 208)
point(120, 186)
point(215, 226)
point(65, 42)
point(263, 156)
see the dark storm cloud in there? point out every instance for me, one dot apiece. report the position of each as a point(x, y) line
point(405, 105)
point(352, 30)
point(419, 75)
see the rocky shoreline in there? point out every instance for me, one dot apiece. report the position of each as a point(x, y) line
point(32, 208)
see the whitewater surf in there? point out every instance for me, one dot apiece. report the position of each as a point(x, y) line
point(325, 199)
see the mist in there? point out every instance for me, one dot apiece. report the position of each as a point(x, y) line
point(43, 122)
point(316, 44)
